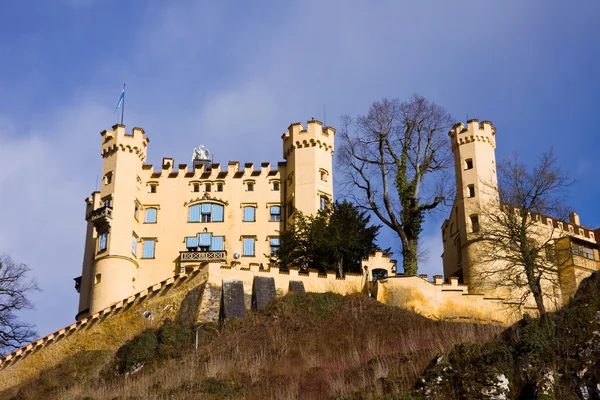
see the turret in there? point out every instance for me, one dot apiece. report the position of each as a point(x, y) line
point(476, 189)
point(115, 216)
point(308, 183)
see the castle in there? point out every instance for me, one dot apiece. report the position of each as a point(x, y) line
point(146, 225)
point(196, 240)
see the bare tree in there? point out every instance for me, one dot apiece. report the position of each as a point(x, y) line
point(14, 287)
point(519, 233)
point(395, 162)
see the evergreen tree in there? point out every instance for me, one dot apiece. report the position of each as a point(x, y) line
point(337, 239)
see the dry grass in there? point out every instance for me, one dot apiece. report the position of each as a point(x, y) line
point(310, 346)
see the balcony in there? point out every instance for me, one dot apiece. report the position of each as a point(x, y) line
point(202, 256)
point(587, 263)
point(100, 216)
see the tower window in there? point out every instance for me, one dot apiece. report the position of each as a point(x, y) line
point(207, 187)
point(219, 187)
point(108, 178)
point(151, 215)
point(136, 208)
point(102, 241)
point(323, 175)
point(149, 246)
point(134, 245)
point(276, 186)
point(97, 279)
point(152, 188)
point(471, 189)
point(469, 163)
point(474, 223)
point(250, 187)
point(324, 202)
point(196, 187)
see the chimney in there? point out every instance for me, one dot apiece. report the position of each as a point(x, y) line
point(574, 218)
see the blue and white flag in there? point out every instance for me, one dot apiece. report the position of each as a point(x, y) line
point(120, 100)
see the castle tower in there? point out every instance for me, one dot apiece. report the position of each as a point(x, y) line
point(308, 184)
point(474, 152)
point(113, 213)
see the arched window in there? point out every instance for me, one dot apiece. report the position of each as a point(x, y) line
point(206, 212)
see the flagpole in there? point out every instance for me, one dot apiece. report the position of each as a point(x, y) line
point(123, 109)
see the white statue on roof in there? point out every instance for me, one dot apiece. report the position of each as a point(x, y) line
point(201, 154)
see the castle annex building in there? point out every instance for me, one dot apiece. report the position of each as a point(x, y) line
point(477, 199)
point(147, 224)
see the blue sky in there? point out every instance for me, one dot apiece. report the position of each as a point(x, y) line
point(234, 76)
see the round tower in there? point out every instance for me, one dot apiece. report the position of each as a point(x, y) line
point(308, 184)
point(115, 216)
point(474, 149)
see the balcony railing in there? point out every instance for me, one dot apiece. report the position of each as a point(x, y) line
point(100, 215)
point(202, 256)
point(584, 262)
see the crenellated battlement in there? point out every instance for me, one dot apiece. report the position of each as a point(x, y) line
point(118, 140)
point(473, 132)
point(314, 135)
point(214, 171)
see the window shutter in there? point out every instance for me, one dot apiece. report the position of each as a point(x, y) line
point(206, 208)
point(191, 241)
point(217, 243)
point(249, 214)
point(194, 213)
point(151, 215)
point(274, 241)
point(248, 246)
point(205, 239)
point(148, 248)
point(275, 210)
point(217, 213)
point(134, 245)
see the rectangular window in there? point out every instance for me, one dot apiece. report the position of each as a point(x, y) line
point(196, 187)
point(250, 187)
point(219, 187)
point(134, 245)
point(274, 244)
point(150, 215)
point(275, 213)
point(577, 249)
point(191, 243)
point(206, 212)
point(107, 202)
point(194, 215)
point(469, 163)
point(471, 190)
point(149, 245)
point(249, 214)
point(475, 223)
point(276, 186)
point(204, 241)
point(324, 202)
point(248, 247)
point(102, 241)
point(152, 188)
point(588, 253)
point(207, 187)
point(217, 243)
point(136, 210)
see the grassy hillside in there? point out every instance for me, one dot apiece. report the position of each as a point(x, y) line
point(308, 346)
point(554, 357)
